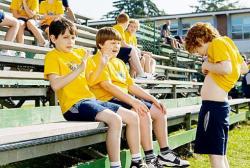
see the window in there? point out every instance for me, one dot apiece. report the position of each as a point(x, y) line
point(240, 26)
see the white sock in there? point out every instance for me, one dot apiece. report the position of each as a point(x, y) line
point(136, 157)
point(115, 164)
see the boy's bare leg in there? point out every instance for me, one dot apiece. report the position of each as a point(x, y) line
point(217, 161)
point(135, 61)
point(146, 132)
point(20, 34)
point(38, 35)
point(131, 119)
point(159, 126)
point(70, 15)
point(152, 65)
point(13, 25)
point(113, 139)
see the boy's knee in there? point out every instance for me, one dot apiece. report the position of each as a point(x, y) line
point(134, 119)
point(30, 24)
point(115, 122)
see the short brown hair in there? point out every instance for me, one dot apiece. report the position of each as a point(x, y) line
point(200, 33)
point(106, 33)
point(122, 18)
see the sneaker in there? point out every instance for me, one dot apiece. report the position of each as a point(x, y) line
point(8, 53)
point(146, 76)
point(22, 54)
point(170, 159)
point(154, 164)
point(138, 164)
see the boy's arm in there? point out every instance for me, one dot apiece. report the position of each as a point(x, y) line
point(28, 11)
point(58, 82)
point(222, 68)
point(141, 93)
point(126, 98)
point(92, 77)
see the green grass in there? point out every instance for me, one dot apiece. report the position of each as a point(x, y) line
point(238, 149)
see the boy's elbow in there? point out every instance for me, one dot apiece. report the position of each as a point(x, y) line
point(106, 86)
point(227, 71)
point(227, 68)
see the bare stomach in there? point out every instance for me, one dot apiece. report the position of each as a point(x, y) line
point(211, 91)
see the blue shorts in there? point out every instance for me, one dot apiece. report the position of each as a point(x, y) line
point(86, 110)
point(1, 16)
point(127, 106)
point(124, 54)
point(212, 129)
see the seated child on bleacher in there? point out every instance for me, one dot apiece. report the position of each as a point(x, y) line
point(65, 69)
point(148, 63)
point(68, 11)
point(11, 34)
point(222, 68)
point(50, 10)
point(25, 11)
point(114, 86)
point(128, 53)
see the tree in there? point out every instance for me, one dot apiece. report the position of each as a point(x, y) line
point(135, 8)
point(215, 5)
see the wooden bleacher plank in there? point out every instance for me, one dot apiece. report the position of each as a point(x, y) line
point(22, 82)
point(176, 68)
point(168, 82)
point(21, 75)
point(23, 92)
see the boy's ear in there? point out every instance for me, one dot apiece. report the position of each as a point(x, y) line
point(100, 45)
point(52, 38)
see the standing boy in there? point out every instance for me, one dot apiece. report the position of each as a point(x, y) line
point(222, 67)
point(65, 69)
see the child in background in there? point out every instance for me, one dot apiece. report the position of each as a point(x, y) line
point(65, 69)
point(128, 53)
point(11, 34)
point(148, 63)
point(50, 10)
point(222, 68)
point(114, 86)
point(25, 11)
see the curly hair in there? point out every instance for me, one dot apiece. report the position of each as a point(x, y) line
point(198, 34)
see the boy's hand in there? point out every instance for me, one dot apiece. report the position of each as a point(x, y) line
point(84, 61)
point(159, 105)
point(140, 107)
point(203, 68)
point(104, 60)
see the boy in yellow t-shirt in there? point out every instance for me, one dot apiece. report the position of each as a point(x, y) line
point(50, 10)
point(148, 63)
point(222, 67)
point(114, 85)
point(65, 69)
point(128, 53)
point(25, 11)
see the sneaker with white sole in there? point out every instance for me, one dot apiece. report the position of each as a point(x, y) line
point(22, 54)
point(154, 164)
point(8, 53)
point(138, 164)
point(170, 159)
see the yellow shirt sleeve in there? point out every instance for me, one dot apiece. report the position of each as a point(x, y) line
point(51, 65)
point(219, 51)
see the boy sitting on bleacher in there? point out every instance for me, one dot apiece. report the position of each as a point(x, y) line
point(148, 63)
point(10, 35)
point(25, 11)
point(65, 69)
point(222, 68)
point(49, 11)
point(128, 53)
point(114, 86)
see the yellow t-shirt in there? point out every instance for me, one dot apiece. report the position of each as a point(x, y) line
point(115, 71)
point(18, 5)
point(121, 30)
point(222, 49)
point(55, 8)
point(130, 39)
point(62, 64)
